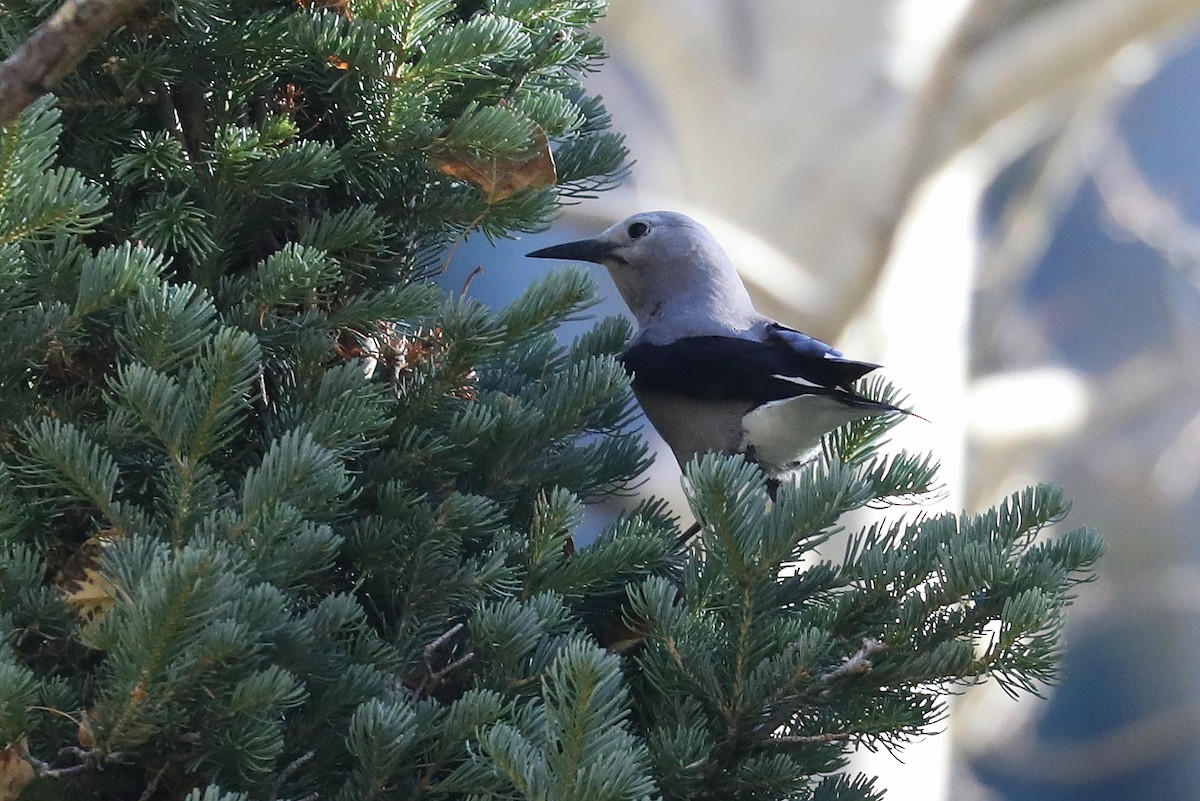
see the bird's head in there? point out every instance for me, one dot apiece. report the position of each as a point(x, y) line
point(650, 240)
point(656, 257)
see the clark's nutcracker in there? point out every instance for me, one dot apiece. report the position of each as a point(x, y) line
point(710, 372)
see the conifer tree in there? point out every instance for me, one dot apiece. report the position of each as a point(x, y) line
point(280, 520)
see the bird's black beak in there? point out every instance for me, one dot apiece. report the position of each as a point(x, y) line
point(593, 250)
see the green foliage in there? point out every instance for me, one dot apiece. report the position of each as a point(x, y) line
point(577, 742)
point(39, 201)
point(279, 520)
point(742, 698)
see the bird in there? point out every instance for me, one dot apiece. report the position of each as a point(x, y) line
point(709, 371)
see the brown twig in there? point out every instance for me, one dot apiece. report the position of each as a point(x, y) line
point(450, 668)
point(683, 539)
point(168, 113)
point(442, 639)
point(55, 48)
point(470, 278)
point(810, 739)
point(286, 773)
point(45, 769)
point(460, 239)
point(192, 111)
point(434, 678)
point(152, 785)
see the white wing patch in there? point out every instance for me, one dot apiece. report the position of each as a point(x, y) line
point(795, 379)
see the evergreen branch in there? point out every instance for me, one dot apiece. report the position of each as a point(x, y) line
point(154, 400)
point(466, 50)
point(167, 325)
point(217, 389)
point(556, 298)
point(65, 458)
point(279, 154)
point(380, 734)
point(114, 274)
point(418, 19)
point(671, 644)
point(178, 603)
point(742, 661)
point(55, 48)
point(10, 140)
point(61, 202)
point(296, 471)
point(27, 144)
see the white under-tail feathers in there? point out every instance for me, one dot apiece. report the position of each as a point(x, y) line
point(785, 433)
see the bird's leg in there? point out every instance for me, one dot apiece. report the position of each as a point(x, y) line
point(686, 536)
point(772, 485)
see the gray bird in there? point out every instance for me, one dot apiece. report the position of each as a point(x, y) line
point(710, 372)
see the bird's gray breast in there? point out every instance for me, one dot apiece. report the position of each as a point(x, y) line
point(692, 426)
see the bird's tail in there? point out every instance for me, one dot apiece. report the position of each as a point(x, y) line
point(856, 400)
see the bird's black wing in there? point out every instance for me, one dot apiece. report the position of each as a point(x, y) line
point(785, 364)
point(813, 360)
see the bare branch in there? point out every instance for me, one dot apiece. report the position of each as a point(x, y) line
point(1115, 753)
point(441, 675)
point(443, 639)
point(434, 678)
point(1042, 53)
point(859, 662)
point(1079, 134)
point(152, 785)
point(1132, 203)
point(287, 772)
point(54, 49)
point(809, 739)
point(45, 769)
point(994, 66)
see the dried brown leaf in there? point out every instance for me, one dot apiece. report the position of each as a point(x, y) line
point(85, 734)
point(15, 772)
point(399, 355)
point(89, 592)
point(502, 177)
point(337, 6)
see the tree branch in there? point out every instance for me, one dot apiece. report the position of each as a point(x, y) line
point(1113, 753)
point(809, 739)
point(994, 66)
point(1041, 54)
point(859, 662)
point(54, 49)
point(1077, 139)
point(1140, 210)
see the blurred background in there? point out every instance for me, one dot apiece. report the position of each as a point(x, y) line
point(1000, 201)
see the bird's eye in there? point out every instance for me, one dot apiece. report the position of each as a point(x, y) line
point(637, 230)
